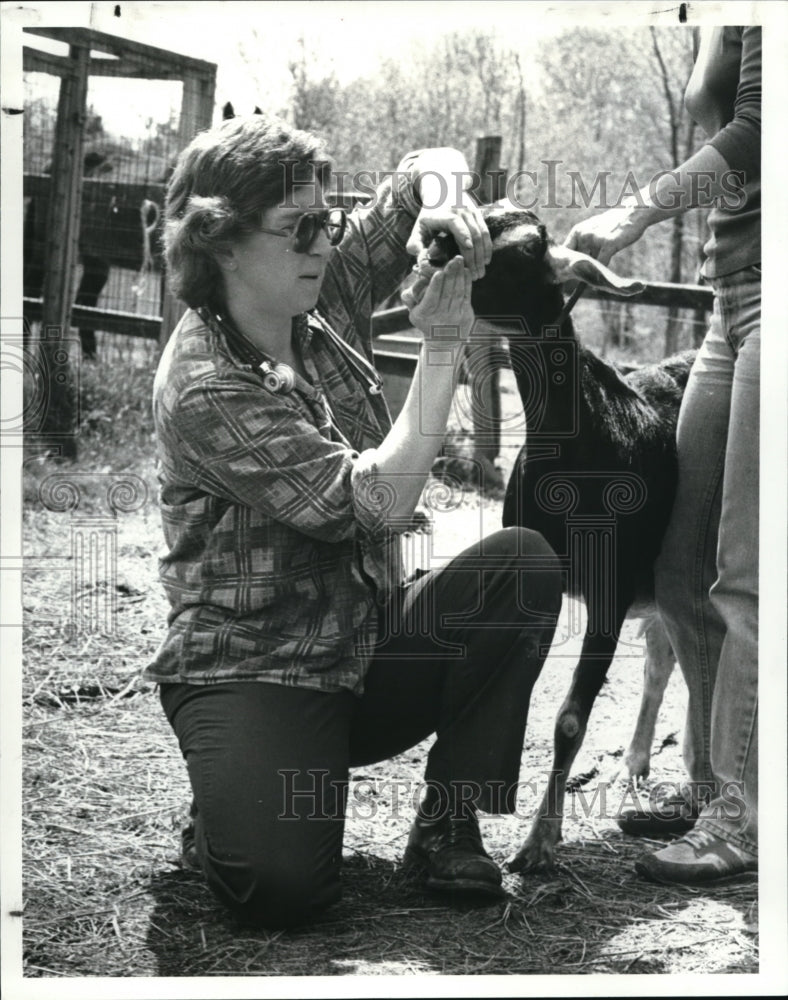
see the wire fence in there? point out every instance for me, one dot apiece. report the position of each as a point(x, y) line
point(132, 135)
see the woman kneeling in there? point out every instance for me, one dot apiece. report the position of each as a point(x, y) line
point(295, 649)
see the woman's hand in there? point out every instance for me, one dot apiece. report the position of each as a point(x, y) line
point(604, 235)
point(444, 313)
point(466, 225)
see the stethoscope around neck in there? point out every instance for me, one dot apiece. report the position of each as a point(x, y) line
point(280, 378)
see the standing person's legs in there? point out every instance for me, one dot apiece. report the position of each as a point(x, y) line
point(720, 661)
point(687, 565)
point(733, 813)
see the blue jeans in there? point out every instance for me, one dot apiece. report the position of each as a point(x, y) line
point(707, 571)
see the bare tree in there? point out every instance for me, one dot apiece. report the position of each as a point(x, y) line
point(681, 139)
point(316, 101)
point(520, 115)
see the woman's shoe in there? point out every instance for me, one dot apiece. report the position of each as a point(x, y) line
point(189, 859)
point(698, 856)
point(451, 852)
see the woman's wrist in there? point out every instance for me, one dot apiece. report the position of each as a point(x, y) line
point(668, 195)
point(441, 352)
point(440, 360)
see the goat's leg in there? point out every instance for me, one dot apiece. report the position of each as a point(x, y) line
point(570, 730)
point(657, 670)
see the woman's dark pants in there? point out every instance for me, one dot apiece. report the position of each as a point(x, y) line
point(459, 652)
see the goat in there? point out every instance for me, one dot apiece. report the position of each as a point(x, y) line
point(596, 476)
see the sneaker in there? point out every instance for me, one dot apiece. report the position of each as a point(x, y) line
point(698, 856)
point(670, 816)
point(451, 852)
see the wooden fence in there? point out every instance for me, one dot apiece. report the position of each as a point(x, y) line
point(389, 324)
point(129, 60)
point(396, 344)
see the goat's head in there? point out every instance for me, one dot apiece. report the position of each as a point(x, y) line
point(523, 280)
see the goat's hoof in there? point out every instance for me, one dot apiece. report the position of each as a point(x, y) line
point(535, 853)
point(622, 774)
point(638, 767)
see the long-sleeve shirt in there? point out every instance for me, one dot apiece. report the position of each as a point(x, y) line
point(278, 553)
point(724, 97)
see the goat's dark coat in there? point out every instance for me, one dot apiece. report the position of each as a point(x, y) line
point(602, 422)
point(597, 474)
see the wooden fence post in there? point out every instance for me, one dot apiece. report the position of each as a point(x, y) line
point(488, 168)
point(63, 216)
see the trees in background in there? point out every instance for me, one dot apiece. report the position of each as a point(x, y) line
point(593, 115)
point(585, 117)
point(612, 107)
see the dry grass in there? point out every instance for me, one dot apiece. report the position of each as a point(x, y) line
point(105, 794)
point(105, 797)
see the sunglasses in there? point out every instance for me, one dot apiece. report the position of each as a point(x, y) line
point(331, 220)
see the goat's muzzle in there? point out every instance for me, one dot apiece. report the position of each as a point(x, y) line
point(439, 252)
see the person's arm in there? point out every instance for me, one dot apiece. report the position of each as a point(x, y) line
point(702, 178)
point(711, 173)
point(267, 451)
point(427, 192)
point(445, 317)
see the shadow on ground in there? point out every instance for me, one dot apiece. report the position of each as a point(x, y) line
point(590, 915)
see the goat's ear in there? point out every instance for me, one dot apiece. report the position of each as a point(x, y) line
point(571, 265)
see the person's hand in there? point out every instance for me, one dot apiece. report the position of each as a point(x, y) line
point(444, 313)
point(466, 225)
point(604, 235)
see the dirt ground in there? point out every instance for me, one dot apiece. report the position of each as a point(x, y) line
point(105, 795)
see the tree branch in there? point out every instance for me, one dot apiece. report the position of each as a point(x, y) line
point(668, 97)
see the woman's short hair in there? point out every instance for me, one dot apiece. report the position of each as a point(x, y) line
point(222, 183)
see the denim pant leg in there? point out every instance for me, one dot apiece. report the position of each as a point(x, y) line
point(734, 720)
point(707, 572)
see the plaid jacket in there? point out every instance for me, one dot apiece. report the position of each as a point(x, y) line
point(276, 546)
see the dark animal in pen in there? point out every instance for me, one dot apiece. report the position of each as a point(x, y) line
point(120, 226)
point(596, 475)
